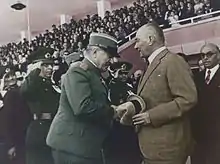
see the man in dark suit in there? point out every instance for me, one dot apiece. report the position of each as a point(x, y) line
point(169, 92)
point(43, 101)
point(84, 117)
point(206, 115)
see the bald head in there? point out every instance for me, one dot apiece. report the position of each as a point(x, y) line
point(211, 46)
point(149, 38)
point(152, 30)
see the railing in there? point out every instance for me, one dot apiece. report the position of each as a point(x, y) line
point(188, 20)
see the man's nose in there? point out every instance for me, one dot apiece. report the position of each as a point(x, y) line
point(50, 66)
point(205, 57)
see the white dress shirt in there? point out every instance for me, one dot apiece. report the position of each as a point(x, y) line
point(213, 71)
point(155, 53)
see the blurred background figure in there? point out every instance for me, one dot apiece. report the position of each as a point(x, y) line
point(17, 118)
point(136, 79)
point(122, 143)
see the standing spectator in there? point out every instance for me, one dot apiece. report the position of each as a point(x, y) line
point(42, 100)
point(206, 116)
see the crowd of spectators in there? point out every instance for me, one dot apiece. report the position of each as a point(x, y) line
point(74, 36)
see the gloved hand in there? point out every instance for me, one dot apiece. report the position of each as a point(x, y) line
point(34, 66)
point(125, 112)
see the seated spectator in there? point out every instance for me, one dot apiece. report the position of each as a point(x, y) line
point(198, 7)
point(173, 19)
point(182, 10)
point(121, 22)
point(207, 7)
point(190, 11)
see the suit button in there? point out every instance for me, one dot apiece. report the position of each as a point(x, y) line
point(46, 89)
point(44, 79)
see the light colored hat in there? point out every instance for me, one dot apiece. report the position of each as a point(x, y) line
point(138, 99)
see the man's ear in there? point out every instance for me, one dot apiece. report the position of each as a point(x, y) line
point(151, 40)
point(94, 53)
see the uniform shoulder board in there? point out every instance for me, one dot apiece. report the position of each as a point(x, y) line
point(84, 66)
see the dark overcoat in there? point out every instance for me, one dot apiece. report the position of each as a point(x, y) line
point(206, 120)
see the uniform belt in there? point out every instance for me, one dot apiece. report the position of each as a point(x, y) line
point(43, 116)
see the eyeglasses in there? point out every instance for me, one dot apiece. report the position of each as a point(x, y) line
point(208, 54)
point(47, 64)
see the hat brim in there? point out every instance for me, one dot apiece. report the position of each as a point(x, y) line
point(113, 52)
point(139, 100)
point(45, 61)
point(118, 65)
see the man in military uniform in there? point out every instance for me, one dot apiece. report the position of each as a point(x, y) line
point(122, 143)
point(84, 117)
point(120, 86)
point(43, 102)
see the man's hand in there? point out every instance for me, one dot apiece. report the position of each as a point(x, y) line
point(34, 66)
point(12, 152)
point(125, 112)
point(141, 119)
point(121, 109)
point(115, 112)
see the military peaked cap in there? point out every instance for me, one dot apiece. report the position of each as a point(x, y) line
point(105, 42)
point(122, 65)
point(42, 54)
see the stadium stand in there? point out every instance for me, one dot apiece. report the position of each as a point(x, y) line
point(68, 38)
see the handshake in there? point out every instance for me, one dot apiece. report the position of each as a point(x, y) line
point(132, 112)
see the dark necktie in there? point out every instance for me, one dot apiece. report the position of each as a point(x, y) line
point(208, 76)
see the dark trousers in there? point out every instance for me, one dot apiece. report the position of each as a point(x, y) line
point(20, 156)
point(206, 153)
point(3, 154)
point(121, 146)
point(61, 157)
point(39, 155)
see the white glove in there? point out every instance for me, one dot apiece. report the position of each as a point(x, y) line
point(34, 66)
point(125, 112)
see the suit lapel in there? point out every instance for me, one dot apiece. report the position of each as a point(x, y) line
point(141, 78)
point(215, 78)
point(151, 69)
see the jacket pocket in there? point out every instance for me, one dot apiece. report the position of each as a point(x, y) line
point(69, 128)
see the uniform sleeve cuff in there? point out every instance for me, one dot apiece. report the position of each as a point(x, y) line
point(137, 106)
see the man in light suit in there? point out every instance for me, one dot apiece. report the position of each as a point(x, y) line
point(169, 92)
point(206, 115)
